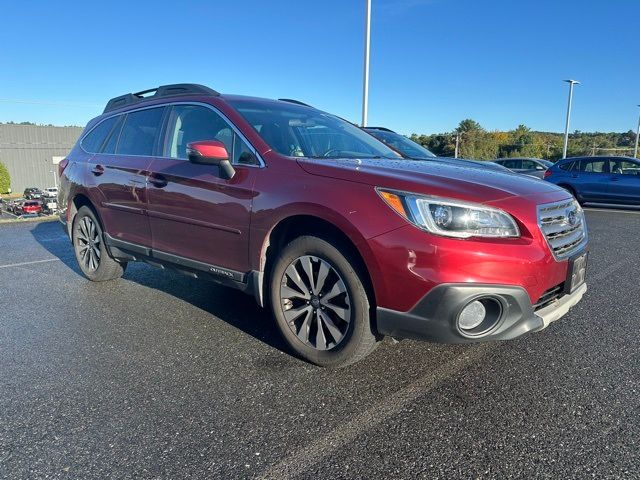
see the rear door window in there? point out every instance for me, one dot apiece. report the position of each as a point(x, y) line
point(593, 166)
point(140, 132)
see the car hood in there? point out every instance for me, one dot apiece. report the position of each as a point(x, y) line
point(443, 179)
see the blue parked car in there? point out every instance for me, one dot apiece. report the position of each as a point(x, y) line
point(611, 180)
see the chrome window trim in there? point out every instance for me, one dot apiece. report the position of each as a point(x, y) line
point(261, 162)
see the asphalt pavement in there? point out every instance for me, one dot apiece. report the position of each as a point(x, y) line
point(157, 375)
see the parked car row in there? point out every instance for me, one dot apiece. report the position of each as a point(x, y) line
point(33, 193)
point(40, 206)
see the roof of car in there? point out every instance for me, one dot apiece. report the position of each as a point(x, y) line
point(183, 90)
point(518, 158)
point(601, 157)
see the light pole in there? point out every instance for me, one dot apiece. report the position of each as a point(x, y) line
point(367, 42)
point(635, 150)
point(566, 127)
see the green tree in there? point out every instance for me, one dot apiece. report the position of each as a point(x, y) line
point(468, 125)
point(5, 180)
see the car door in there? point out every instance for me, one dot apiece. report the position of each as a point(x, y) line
point(590, 178)
point(117, 175)
point(197, 216)
point(624, 185)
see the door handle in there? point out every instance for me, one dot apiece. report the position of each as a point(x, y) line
point(97, 170)
point(157, 181)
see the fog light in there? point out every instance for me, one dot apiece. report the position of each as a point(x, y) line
point(472, 315)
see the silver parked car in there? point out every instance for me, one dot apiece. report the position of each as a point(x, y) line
point(534, 167)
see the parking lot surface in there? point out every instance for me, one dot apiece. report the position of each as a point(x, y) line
point(157, 375)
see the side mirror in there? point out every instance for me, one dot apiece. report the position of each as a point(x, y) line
point(211, 152)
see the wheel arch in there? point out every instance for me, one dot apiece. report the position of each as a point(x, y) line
point(81, 200)
point(294, 226)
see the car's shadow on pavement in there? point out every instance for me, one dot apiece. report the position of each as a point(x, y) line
point(227, 304)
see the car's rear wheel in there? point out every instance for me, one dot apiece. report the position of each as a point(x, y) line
point(573, 192)
point(91, 253)
point(320, 303)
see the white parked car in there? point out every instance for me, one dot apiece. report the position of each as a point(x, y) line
point(51, 192)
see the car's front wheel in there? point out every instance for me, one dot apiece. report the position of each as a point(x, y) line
point(91, 253)
point(320, 303)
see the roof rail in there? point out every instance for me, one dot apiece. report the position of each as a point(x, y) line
point(162, 91)
point(297, 102)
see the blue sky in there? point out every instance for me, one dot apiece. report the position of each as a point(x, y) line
point(433, 62)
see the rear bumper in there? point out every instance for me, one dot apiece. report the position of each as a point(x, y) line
point(434, 318)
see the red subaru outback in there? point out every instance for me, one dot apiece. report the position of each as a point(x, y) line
point(344, 240)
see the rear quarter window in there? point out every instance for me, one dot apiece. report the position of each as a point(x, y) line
point(93, 141)
point(565, 166)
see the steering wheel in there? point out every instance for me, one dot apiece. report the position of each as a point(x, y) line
point(331, 150)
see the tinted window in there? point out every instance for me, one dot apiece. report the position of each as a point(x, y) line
point(593, 166)
point(191, 123)
point(529, 164)
point(112, 141)
point(96, 137)
point(511, 164)
point(140, 131)
point(565, 166)
point(624, 167)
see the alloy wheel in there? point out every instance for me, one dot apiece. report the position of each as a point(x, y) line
point(315, 302)
point(88, 243)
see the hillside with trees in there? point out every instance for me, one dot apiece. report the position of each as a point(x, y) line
point(478, 143)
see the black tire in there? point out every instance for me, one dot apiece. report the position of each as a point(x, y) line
point(572, 191)
point(91, 253)
point(358, 337)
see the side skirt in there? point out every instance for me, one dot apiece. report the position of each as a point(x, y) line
point(250, 282)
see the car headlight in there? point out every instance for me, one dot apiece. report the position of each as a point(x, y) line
point(451, 218)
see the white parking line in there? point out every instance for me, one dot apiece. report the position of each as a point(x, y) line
point(22, 264)
point(314, 453)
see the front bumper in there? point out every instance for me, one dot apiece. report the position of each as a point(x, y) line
point(434, 318)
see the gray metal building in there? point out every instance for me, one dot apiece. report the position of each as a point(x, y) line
point(28, 152)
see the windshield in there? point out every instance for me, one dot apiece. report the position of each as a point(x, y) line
point(299, 131)
point(398, 142)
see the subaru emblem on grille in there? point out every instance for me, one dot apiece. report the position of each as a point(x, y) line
point(572, 217)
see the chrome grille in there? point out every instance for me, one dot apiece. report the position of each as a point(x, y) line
point(564, 227)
